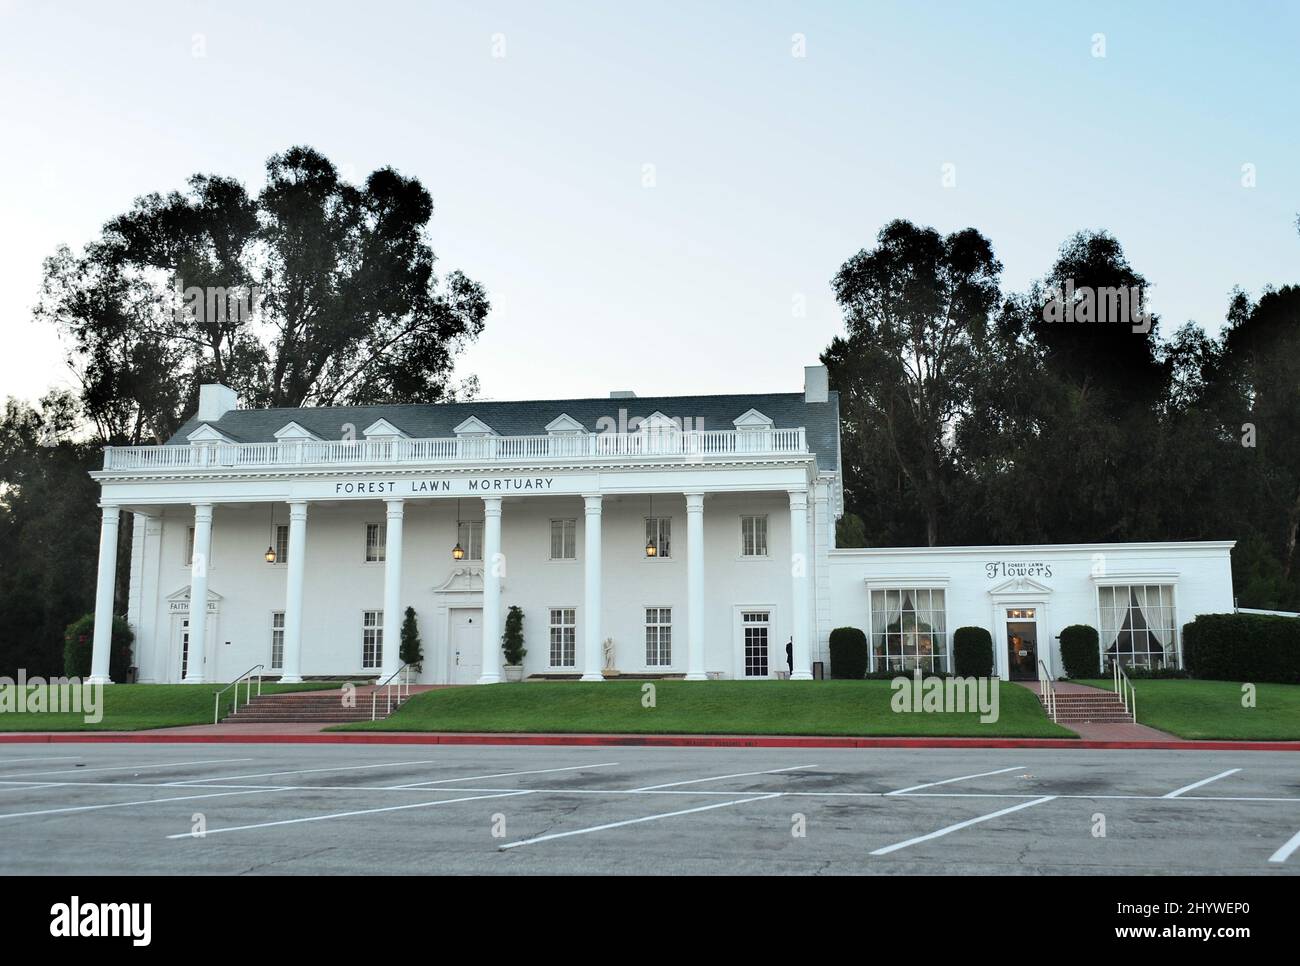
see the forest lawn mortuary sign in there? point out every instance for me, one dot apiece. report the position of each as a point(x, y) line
point(432, 486)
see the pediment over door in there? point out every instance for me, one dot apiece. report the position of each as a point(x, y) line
point(462, 580)
point(179, 601)
point(1019, 586)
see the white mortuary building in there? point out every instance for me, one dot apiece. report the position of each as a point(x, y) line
point(689, 536)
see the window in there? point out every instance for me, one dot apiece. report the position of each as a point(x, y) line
point(660, 530)
point(189, 547)
point(564, 539)
point(277, 640)
point(564, 636)
point(753, 536)
point(470, 537)
point(282, 543)
point(376, 543)
point(185, 645)
point(372, 638)
point(909, 629)
point(658, 636)
point(1138, 624)
point(756, 625)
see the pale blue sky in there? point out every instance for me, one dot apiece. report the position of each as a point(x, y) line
point(770, 169)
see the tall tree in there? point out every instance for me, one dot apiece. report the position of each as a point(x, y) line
point(916, 309)
point(314, 292)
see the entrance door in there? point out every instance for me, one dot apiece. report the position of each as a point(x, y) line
point(466, 646)
point(757, 630)
point(1022, 644)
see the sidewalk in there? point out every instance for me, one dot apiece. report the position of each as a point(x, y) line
point(311, 734)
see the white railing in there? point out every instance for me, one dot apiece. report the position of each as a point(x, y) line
point(403, 691)
point(699, 444)
point(245, 678)
point(1046, 690)
point(1124, 688)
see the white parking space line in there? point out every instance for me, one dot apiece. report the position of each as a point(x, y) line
point(719, 778)
point(166, 764)
point(503, 774)
point(301, 771)
point(14, 761)
point(961, 825)
point(146, 801)
point(363, 811)
point(959, 778)
point(1204, 781)
point(1284, 853)
point(637, 821)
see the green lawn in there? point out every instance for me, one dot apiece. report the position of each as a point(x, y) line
point(1212, 709)
point(706, 707)
point(134, 707)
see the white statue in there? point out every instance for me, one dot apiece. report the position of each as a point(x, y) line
point(609, 654)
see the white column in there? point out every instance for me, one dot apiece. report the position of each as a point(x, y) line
point(491, 670)
point(199, 592)
point(104, 586)
point(695, 587)
point(592, 645)
point(392, 590)
point(799, 585)
point(291, 673)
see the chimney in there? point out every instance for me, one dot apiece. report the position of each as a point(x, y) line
point(622, 394)
point(816, 384)
point(215, 401)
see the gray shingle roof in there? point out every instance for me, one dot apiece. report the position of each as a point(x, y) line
point(529, 418)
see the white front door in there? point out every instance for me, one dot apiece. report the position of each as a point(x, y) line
point(466, 645)
point(756, 631)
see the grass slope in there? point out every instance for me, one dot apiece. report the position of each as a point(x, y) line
point(1212, 709)
point(705, 707)
point(135, 707)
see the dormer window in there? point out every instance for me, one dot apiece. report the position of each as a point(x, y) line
point(382, 430)
point(752, 420)
point(294, 432)
point(474, 428)
point(564, 425)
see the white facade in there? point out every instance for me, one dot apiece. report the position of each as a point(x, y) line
point(553, 510)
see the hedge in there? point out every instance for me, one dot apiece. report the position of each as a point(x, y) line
point(1080, 651)
point(972, 652)
point(848, 653)
point(78, 648)
point(1243, 647)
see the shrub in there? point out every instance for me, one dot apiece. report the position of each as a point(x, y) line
point(411, 651)
point(1080, 651)
point(848, 653)
point(78, 648)
point(512, 641)
point(972, 652)
point(1243, 647)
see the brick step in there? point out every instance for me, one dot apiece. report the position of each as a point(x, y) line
point(311, 707)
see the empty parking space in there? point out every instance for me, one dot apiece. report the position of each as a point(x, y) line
point(336, 809)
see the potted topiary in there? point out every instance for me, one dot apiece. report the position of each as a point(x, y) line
point(512, 644)
point(411, 652)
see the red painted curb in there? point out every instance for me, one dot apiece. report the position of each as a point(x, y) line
point(651, 741)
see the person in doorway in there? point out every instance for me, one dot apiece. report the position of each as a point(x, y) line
point(789, 655)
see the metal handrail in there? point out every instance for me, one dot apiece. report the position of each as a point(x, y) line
point(1124, 688)
point(1048, 692)
point(246, 677)
point(403, 692)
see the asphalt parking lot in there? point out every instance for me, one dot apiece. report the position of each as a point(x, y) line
point(385, 809)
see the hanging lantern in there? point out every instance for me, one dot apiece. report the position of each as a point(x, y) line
point(270, 547)
point(650, 549)
point(458, 552)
